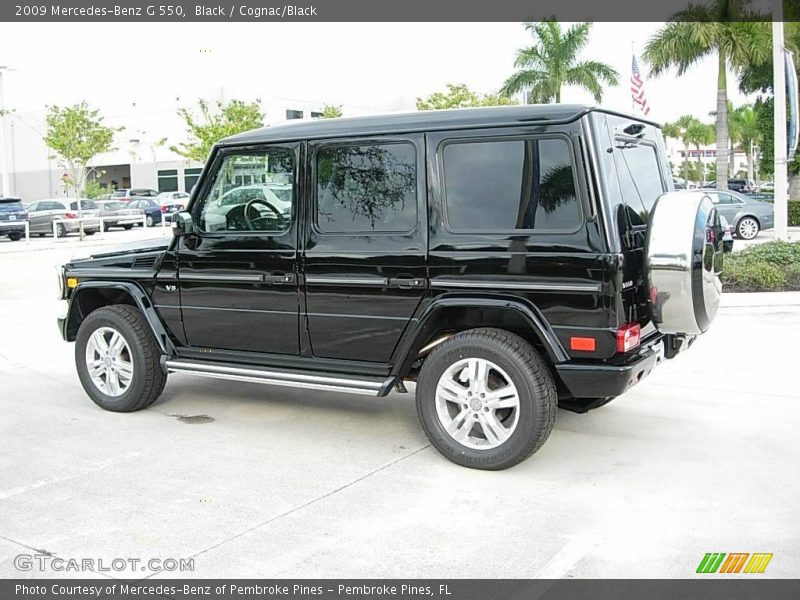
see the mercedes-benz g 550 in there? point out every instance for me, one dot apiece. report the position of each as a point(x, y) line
point(507, 260)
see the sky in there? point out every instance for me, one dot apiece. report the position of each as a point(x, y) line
point(376, 67)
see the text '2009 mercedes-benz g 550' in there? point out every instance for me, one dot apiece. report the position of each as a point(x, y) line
point(509, 260)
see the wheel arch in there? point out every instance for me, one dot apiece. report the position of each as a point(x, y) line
point(459, 313)
point(91, 295)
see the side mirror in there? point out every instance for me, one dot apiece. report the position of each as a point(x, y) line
point(182, 223)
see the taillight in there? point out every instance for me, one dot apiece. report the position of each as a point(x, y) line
point(71, 216)
point(164, 208)
point(628, 337)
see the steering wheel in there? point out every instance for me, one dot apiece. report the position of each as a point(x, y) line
point(252, 221)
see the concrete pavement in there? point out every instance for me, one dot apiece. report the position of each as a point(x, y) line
point(255, 481)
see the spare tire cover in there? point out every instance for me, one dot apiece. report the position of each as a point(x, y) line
point(684, 259)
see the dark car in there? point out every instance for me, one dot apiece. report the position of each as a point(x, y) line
point(506, 260)
point(13, 218)
point(747, 215)
point(150, 207)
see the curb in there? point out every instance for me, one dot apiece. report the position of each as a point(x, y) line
point(759, 299)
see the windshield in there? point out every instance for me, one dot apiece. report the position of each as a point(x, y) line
point(113, 205)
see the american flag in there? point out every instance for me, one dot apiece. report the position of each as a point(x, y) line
point(637, 88)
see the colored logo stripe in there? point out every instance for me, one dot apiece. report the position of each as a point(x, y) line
point(711, 562)
point(758, 563)
point(734, 562)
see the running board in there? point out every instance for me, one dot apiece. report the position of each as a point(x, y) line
point(285, 377)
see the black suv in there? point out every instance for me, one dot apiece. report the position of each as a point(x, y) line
point(13, 217)
point(507, 260)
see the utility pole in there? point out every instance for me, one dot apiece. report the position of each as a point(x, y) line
point(779, 87)
point(3, 151)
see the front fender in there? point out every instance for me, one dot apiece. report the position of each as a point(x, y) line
point(123, 289)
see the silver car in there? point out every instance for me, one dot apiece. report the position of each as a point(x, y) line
point(64, 210)
point(746, 215)
point(118, 214)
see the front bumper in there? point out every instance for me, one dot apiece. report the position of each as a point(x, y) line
point(607, 381)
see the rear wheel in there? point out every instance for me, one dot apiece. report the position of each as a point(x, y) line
point(118, 360)
point(486, 399)
point(747, 228)
point(127, 227)
point(149, 220)
point(61, 230)
point(15, 237)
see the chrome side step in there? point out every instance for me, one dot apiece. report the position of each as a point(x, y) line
point(283, 377)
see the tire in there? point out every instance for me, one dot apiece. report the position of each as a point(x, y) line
point(127, 227)
point(748, 228)
point(90, 232)
point(147, 378)
point(509, 360)
point(150, 221)
point(15, 237)
point(62, 231)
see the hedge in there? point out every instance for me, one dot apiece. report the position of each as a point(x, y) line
point(770, 267)
point(794, 212)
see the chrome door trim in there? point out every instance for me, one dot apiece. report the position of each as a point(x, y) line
point(231, 278)
point(325, 280)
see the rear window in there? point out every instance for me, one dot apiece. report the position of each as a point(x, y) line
point(7, 206)
point(118, 194)
point(85, 205)
point(114, 205)
point(639, 176)
point(509, 185)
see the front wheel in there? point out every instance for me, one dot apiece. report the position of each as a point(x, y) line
point(61, 230)
point(118, 360)
point(486, 399)
point(748, 228)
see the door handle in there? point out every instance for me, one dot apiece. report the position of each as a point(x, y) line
point(406, 282)
point(280, 278)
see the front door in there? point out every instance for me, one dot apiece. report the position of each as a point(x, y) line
point(365, 252)
point(237, 272)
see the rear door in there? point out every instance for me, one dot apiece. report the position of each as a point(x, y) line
point(365, 252)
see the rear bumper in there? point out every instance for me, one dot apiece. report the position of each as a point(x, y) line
point(602, 380)
point(12, 227)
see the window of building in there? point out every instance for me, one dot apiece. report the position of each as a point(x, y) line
point(190, 178)
point(251, 191)
point(294, 114)
point(168, 180)
point(367, 188)
point(510, 185)
point(316, 115)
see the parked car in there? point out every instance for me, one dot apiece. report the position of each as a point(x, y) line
point(742, 186)
point(45, 212)
point(13, 217)
point(127, 194)
point(118, 214)
point(176, 197)
point(748, 215)
point(151, 209)
point(469, 251)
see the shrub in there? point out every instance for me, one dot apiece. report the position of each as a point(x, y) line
point(774, 266)
point(794, 212)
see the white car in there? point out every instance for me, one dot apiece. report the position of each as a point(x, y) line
point(270, 201)
point(67, 215)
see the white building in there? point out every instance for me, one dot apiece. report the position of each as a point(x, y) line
point(708, 156)
point(142, 158)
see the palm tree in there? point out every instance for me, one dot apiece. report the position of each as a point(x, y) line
point(552, 62)
point(680, 130)
point(745, 132)
point(700, 134)
point(710, 30)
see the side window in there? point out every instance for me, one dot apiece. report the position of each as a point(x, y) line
point(33, 207)
point(249, 193)
point(510, 185)
point(367, 188)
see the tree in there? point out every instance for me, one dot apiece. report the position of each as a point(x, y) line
point(552, 62)
point(460, 96)
point(209, 127)
point(331, 111)
point(76, 134)
point(708, 30)
point(745, 132)
point(700, 134)
point(680, 130)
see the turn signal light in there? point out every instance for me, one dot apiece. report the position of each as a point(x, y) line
point(628, 337)
point(582, 343)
